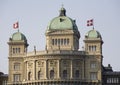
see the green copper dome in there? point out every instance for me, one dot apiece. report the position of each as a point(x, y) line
point(18, 36)
point(93, 34)
point(62, 22)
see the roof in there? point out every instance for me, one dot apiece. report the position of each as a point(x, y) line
point(62, 22)
point(93, 34)
point(18, 36)
point(112, 73)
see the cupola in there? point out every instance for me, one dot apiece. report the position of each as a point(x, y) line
point(62, 22)
point(18, 36)
point(93, 34)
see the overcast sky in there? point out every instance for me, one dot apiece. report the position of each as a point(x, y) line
point(34, 16)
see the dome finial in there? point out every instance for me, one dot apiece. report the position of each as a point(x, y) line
point(62, 11)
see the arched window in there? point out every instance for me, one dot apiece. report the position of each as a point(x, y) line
point(64, 73)
point(29, 76)
point(39, 74)
point(52, 74)
point(77, 74)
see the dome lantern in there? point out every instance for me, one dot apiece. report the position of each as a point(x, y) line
point(62, 11)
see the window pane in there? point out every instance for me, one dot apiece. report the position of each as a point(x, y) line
point(29, 76)
point(13, 50)
point(58, 41)
point(93, 65)
point(93, 76)
point(64, 41)
point(51, 74)
point(77, 74)
point(61, 41)
point(40, 75)
point(65, 74)
point(67, 41)
point(52, 41)
point(55, 41)
point(17, 66)
point(16, 77)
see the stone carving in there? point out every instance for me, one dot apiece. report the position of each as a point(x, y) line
point(40, 63)
point(52, 63)
point(30, 65)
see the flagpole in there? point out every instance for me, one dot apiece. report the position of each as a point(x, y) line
point(93, 24)
point(18, 26)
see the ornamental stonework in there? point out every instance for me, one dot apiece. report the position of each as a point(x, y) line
point(52, 63)
point(30, 65)
point(40, 63)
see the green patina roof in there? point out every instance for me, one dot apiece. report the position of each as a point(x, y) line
point(62, 22)
point(93, 34)
point(18, 36)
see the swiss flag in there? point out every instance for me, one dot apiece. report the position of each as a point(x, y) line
point(16, 25)
point(90, 22)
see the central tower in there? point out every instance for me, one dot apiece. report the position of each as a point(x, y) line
point(62, 33)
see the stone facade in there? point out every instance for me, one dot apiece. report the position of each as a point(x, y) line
point(62, 62)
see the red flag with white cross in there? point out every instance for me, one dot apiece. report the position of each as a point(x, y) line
point(16, 25)
point(90, 22)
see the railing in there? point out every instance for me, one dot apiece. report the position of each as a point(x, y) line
point(56, 52)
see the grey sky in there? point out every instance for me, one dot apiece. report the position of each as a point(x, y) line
point(34, 16)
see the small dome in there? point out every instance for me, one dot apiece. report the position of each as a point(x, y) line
point(62, 22)
point(93, 34)
point(18, 36)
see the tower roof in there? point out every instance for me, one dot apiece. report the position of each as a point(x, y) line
point(62, 22)
point(18, 36)
point(93, 34)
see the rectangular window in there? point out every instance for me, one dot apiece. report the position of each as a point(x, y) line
point(64, 41)
point(58, 41)
point(67, 41)
point(93, 65)
point(13, 50)
point(4, 82)
point(93, 75)
point(55, 41)
point(52, 41)
point(16, 66)
point(16, 77)
point(61, 41)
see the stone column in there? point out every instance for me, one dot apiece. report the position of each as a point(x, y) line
point(25, 71)
point(71, 69)
point(46, 67)
point(58, 69)
point(33, 70)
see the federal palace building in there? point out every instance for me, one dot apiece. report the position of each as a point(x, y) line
point(62, 62)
